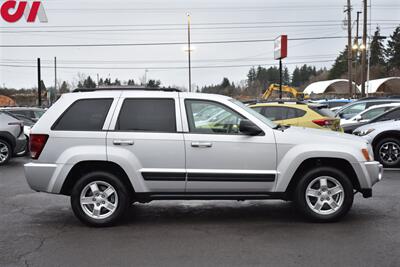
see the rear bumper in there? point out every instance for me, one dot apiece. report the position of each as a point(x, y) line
point(38, 175)
point(20, 145)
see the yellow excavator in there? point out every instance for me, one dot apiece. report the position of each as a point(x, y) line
point(287, 92)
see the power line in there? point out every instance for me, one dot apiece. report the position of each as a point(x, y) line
point(182, 24)
point(166, 68)
point(179, 29)
point(165, 43)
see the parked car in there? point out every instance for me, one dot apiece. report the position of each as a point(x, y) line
point(12, 138)
point(31, 113)
point(354, 108)
point(334, 103)
point(109, 148)
point(385, 139)
point(392, 114)
point(369, 113)
point(299, 114)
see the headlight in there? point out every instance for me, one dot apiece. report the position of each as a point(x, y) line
point(363, 132)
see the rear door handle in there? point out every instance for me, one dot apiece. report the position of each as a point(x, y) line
point(201, 144)
point(123, 142)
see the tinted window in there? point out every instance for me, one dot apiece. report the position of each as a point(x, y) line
point(222, 120)
point(391, 115)
point(147, 115)
point(325, 112)
point(84, 115)
point(354, 109)
point(372, 103)
point(273, 113)
point(370, 114)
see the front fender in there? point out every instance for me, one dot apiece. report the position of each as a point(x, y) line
point(296, 155)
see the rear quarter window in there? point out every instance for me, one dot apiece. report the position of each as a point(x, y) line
point(84, 115)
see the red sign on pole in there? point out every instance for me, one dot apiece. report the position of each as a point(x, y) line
point(280, 47)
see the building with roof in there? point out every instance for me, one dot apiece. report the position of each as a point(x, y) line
point(384, 86)
point(330, 89)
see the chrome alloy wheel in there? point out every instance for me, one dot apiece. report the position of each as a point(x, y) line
point(4, 152)
point(99, 200)
point(324, 195)
point(389, 152)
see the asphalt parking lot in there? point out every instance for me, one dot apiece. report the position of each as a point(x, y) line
point(39, 229)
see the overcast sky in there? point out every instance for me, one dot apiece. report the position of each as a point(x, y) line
point(155, 21)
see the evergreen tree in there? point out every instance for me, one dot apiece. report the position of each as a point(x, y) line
point(225, 83)
point(377, 49)
point(131, 82)
point(340, 66)
point(153, 84)
point(89, 83)
point(64, 88)
point(393, 49)
point(101, 82)
point(296, 78)
point(251, 76)
point(285, 76)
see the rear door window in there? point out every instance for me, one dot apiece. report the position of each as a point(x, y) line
point(84, 115)
point(147, 115)
point(391, 115)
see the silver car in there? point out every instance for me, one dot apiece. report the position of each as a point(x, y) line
point(107, 149)
point(12, 138)
point(385, 139)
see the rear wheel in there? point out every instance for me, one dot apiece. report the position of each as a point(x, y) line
point(99, 199)
point(324, 194)
point(387, 152)
point(5, 152)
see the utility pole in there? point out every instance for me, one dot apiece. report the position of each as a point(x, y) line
point(55, 81)
point(280, 79)
point(349, 48)
point(363, 51)
point(189, 52)
point(356, 47)
point(39, 84)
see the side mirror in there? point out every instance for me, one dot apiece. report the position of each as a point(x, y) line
point(249, 128)
point(358, 118)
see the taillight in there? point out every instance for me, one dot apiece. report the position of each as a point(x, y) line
point(36, 144)
point(323, 122)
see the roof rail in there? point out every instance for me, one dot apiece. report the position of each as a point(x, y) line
point(126, 89)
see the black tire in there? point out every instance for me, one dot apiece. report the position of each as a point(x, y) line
point(5, 145)
point(310, 177)
point(381, 159)
point(120, 189)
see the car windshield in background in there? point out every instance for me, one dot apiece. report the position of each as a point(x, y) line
point(254, 113)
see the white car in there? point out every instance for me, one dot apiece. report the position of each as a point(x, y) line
point(369, 113)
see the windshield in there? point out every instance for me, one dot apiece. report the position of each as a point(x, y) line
point(254, 113)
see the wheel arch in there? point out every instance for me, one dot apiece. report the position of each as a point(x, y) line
point(338, 163)
point(8, 138)
point(386, 134)
point(83, 167)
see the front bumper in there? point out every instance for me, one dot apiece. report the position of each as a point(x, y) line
point(373, 171)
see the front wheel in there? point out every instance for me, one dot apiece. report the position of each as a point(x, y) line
point(99, 199)
point(324, 194)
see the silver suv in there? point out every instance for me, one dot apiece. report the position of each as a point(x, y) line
point(110, 148)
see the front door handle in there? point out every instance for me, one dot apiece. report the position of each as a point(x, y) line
point(123, 142)
point(201, 144)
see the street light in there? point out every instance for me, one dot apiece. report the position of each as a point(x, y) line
point(189, 54)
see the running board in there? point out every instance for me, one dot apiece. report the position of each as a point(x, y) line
point(146, 197)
